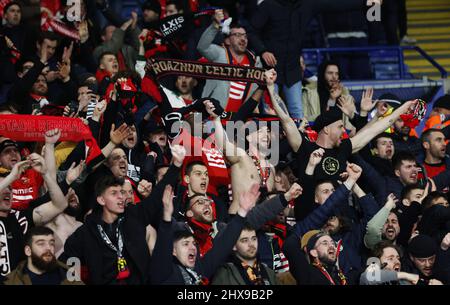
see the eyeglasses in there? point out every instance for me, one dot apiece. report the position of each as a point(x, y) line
point(202, 202)
point(239, 35)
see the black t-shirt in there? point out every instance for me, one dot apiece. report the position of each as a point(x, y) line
point(49, 278)
point(333, 163)
point(12, 231)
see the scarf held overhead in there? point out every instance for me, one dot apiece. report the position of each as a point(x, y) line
point(32, 128)
point(165, 67)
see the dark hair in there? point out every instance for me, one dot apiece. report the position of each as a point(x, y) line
point(322, 86)
point(378, 249)
point(381, 135)
point(104, 54)
point(322, 181)
point(11, 4)
point(180, 234)
point(49, 36)
point(407, 189)
point(248, 227)
point(237, 25)
point(401, 156)
point(35, 231)
point(191, 165)
point(105, 182)
point(177, 4)
point(428, 200)
point(103, 32)
point(425, 137)
point(345, 223)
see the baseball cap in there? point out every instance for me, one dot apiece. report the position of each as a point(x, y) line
point(8, 143)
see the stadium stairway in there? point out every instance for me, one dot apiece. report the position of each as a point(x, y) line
point(429, 23)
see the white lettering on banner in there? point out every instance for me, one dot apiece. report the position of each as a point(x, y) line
point(5, 264)
point(172, 25)
point(23, 191)
point(214, 158)
point(23, 221)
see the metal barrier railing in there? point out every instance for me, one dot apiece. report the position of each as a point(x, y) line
point(398, 49)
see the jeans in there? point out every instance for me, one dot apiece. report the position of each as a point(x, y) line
point(293, 96)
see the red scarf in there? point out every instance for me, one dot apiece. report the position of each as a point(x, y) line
point(31, 128)
point(202, 233)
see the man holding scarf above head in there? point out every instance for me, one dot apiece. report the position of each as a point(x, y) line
point(231, 94)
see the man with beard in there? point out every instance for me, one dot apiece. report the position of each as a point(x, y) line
point(321, 250)
point(245, 268)
point(175, 260)
point(231, 94)
point(112, 243)
point(426, 260)
point(330, 129)
point(403, 141)
point(41, 266)
point(246, 168)
point(14, 224)
point(201, 218)
point(436, 161)
point(333, 215)
point(66, 223)
point(384, 225)
point(389, 272)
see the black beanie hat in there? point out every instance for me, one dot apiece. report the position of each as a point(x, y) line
point(391, 99)
point(152, 5)
point(327, 118)
point(443, 102)
point(422, 246)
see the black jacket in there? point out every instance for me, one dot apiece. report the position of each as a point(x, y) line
point(278, 26)
point(166, 269)
point(101, 262)
point(435, 222)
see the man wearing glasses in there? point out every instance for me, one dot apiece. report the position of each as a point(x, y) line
point(231, 94)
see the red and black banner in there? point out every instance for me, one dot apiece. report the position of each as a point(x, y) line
point(164, 67)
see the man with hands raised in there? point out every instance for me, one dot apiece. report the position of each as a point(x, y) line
point(175, 260)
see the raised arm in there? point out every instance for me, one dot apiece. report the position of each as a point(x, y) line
point(292, 133)
point(363, 137)
point(375, 225)
point(58, 203)
point(51, 137)
point(15, 173)
point(161, 263)
point(224, 243)
point(233, 153)
point(205, 45)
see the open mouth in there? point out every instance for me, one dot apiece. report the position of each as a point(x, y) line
point(203, 185)
point(123, 167)
point(390, 231)
point(389, 152)
point(191, 258)
point(121, 205)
